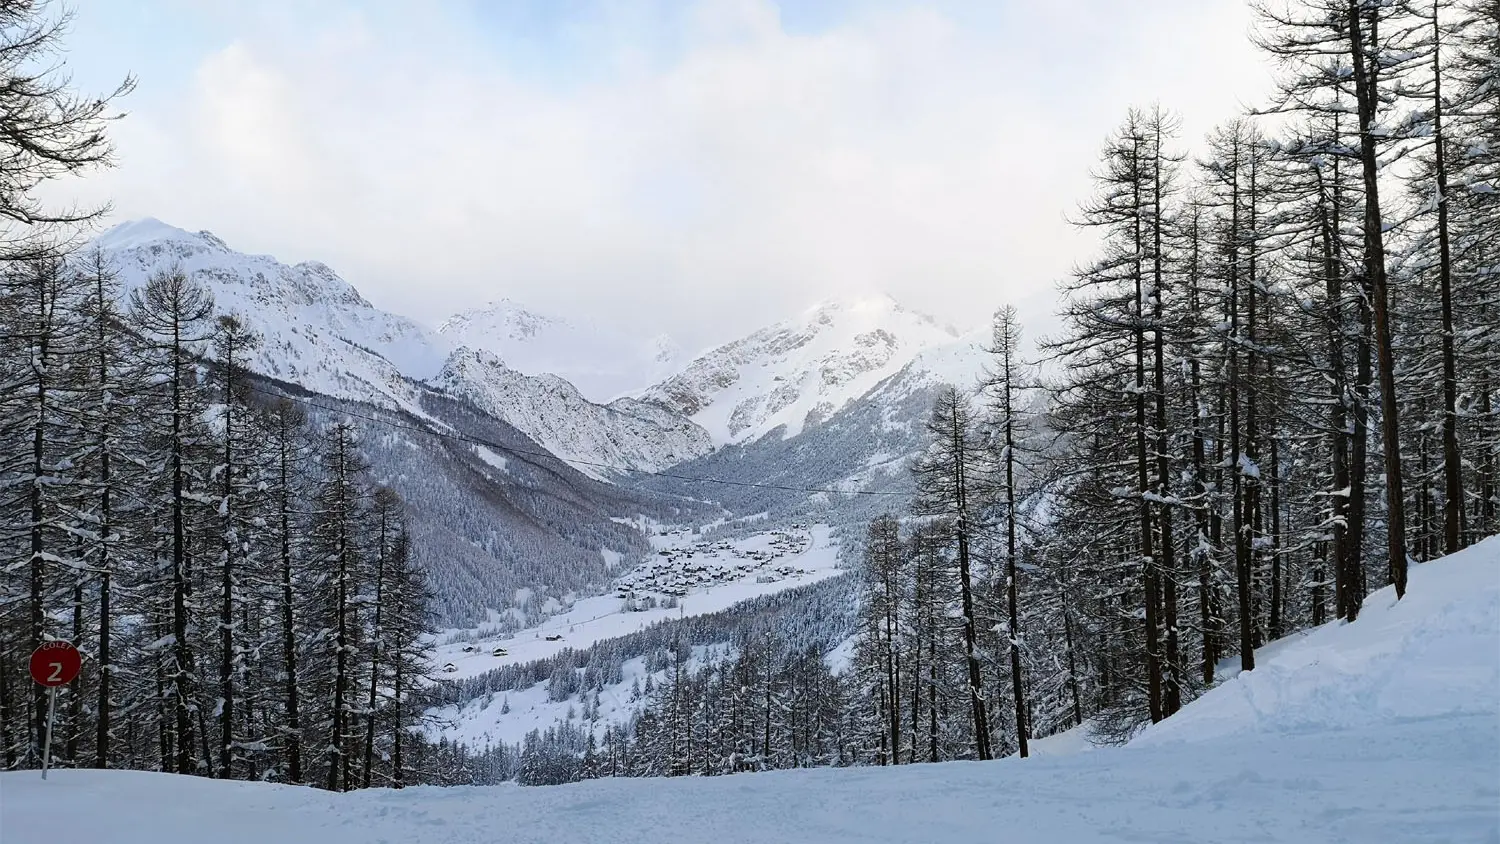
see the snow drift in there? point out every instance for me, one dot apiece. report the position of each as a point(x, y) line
point(1434, 653)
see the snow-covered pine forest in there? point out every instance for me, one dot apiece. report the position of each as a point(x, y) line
point(1273, 394)
point(248, 588)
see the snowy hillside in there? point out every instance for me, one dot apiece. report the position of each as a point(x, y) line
point(600, 362)
point(1433, 654)
point(867, 445)
point(551, 411)
point(1414, 783)
point(315, 328)
point(492, 529)
point(1387, 729)
point(799, 372)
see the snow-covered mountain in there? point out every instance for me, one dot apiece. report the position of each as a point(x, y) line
point(507, 536)
point(315, 329)
point(846, 383)
point(318, 332)
point(867, 445)
point(798, 373)
point(550, 410)
point(602, 363)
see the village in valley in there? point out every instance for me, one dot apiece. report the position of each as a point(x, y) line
point(688, 573)
point(675, 570)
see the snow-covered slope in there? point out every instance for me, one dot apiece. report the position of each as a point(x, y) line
point(1433, 654)
point(550, 410)
point(1387, 729)
point(1414, 782)
point(315, 329)
point(600, 362)
point(694, 577)
point(798, 373)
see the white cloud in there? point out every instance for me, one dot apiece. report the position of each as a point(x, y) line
point(734, 181)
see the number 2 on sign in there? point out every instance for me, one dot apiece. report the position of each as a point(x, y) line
point(56, 675)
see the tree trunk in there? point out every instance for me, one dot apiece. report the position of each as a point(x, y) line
point(1366, 85)
point(293, 730)
point(226, 581)
point(1237, 472)
point(38, 470)
point(976, 682)
point(377, 645)
point(182, 656)
point(1453, 484)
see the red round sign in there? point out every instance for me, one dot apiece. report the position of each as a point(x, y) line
point(55, 663)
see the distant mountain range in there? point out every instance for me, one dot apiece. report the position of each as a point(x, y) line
point(602, 363)
point(833, 397)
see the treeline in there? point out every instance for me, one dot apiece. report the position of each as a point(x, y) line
point(818, 615)
point(245, 596)
point(755, 706)
point(780, 684)
point(753, 687)
point(759, 699)
point(1274, 392)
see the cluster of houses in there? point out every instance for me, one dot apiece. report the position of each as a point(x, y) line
point(474, 649)
point(495, 651)
point(673, 571)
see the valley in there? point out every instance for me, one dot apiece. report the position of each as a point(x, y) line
point(683, 576)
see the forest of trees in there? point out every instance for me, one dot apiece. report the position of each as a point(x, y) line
point(244, 594)
point(1275, 391)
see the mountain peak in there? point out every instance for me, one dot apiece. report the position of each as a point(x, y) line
point(147, 230)
point(603, 363)
point(860, 303)
point(799, 371)
point(316, 329)
point(873, 309)
point(502, 316)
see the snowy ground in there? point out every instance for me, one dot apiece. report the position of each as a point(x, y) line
point(1423, 781)
point(1434, 654)
point(749, 570)
point(1385, 730)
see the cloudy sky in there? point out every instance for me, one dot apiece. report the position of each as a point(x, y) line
point(700, 167)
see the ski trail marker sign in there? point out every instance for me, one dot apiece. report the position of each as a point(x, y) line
point(52, 665)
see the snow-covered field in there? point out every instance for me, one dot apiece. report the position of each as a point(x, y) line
point(1386, 730)
point(751, 567)
point(1422, 781)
